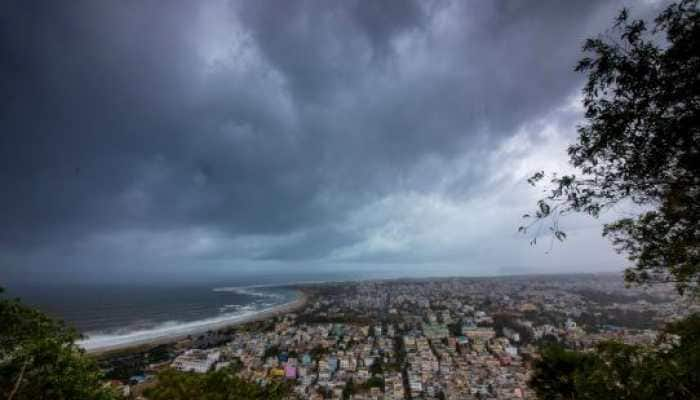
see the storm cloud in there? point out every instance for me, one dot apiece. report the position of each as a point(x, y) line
point(150, 135)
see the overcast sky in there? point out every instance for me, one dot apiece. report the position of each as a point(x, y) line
point(147, 139)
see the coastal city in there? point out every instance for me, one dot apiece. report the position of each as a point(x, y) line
point(350, 200)
point(442, 338)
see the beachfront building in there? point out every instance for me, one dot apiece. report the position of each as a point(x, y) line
point(196, 360)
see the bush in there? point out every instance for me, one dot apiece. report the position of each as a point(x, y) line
point(40, 360)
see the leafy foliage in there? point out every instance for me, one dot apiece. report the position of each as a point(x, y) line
point(640, 144)
point(214, 385)
point(40, 360)
point(377, 367)
point(554, 372)
point(272, 351)
point(501, 321)
point(621, 371)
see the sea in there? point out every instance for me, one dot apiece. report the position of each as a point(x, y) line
point(117, 315)
point(112, 316)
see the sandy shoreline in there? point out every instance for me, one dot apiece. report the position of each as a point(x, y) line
point(259, 316)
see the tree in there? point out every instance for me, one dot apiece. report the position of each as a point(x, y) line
point(553, 373)
point(40, 360)
point(377, 367)
point(214, 385)
point(640, 144)
point(349, 390)
point(620, 371)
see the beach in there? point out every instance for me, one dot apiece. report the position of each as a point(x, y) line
point(170, 336)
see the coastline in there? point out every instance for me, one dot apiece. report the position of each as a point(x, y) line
point(271, 312)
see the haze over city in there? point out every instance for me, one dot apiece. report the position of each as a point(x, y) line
point(143, 142)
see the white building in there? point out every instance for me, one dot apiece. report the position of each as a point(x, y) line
point(196, 360)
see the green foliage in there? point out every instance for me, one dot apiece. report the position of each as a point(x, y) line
point(377, 368)
point(123, 364)
point(272, 351)
point(318, 352)
point(350, 389)
point(375, 381)
point(553, 376)
point(455, 328)
point(621, 371)
point(619, 317)
point(640, 144)
point(501, 321)
point(215, 385)
point(40, 360)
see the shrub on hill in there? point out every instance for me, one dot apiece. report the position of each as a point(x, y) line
point(40, 360)
point(215, 385)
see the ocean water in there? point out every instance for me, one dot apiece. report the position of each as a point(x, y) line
point(118, 315)
point(112, 316)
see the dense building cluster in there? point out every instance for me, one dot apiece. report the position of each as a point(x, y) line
point(434, 339)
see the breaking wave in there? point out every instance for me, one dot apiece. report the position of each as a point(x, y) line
point(165, 330)
point(140, 334)
point(254, 291)
point(227, 308)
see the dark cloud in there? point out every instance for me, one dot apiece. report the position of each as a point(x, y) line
point(277, 121)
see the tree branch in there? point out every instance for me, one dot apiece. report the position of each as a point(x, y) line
point(19, 380)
